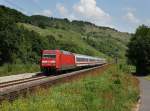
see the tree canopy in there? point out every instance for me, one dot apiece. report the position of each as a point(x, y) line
point(138, 52)
point(22, 37)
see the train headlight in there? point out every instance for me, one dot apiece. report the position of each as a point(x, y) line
point(52, 62)
point(44, 62)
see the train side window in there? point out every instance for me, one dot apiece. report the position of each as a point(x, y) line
point(80, 59)
point(53, 56)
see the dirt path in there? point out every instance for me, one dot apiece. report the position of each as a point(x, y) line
point(145, 94)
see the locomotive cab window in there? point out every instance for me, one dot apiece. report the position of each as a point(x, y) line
point(53, 56)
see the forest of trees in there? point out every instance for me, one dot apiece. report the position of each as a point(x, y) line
point(23, 46)
point(138, 52)
point(16, 43)
point(19, 45)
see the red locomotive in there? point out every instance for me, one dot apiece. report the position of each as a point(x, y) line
point(58, 60)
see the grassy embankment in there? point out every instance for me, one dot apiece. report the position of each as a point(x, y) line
point(11, 69)
point(114, 90)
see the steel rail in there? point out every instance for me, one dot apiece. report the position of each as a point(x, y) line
point(19, 81)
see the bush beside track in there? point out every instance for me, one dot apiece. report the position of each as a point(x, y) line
point(114, 90)
point(12, 69)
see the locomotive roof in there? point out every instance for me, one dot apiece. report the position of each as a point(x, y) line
point(67, 52)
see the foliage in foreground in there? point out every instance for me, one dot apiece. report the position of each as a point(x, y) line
point(112, 91)
point(138, 52)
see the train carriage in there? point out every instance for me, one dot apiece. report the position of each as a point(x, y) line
point(83, 60)
point(58, 60)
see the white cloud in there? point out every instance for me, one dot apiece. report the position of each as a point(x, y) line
point(62, 10)
point(46, 12)
point(130, 17)
point(88, 10)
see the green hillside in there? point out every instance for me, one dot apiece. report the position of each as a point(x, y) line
point(22, 37)
point(104, 39)
point(65, 40)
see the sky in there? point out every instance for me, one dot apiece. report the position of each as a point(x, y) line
point(123, 15)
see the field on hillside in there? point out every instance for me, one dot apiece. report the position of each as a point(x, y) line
point(23, 37)
point(114, 90)
point(65, 40)
point(91, 40)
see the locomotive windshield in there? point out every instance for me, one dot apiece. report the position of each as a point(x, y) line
point(53, 56)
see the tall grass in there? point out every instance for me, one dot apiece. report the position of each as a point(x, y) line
point(111, 91)
point(10, 69)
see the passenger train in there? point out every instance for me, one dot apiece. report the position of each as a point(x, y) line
point(59, 60)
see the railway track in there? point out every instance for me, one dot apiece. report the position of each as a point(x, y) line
point(15, 82)
point(12, 89)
